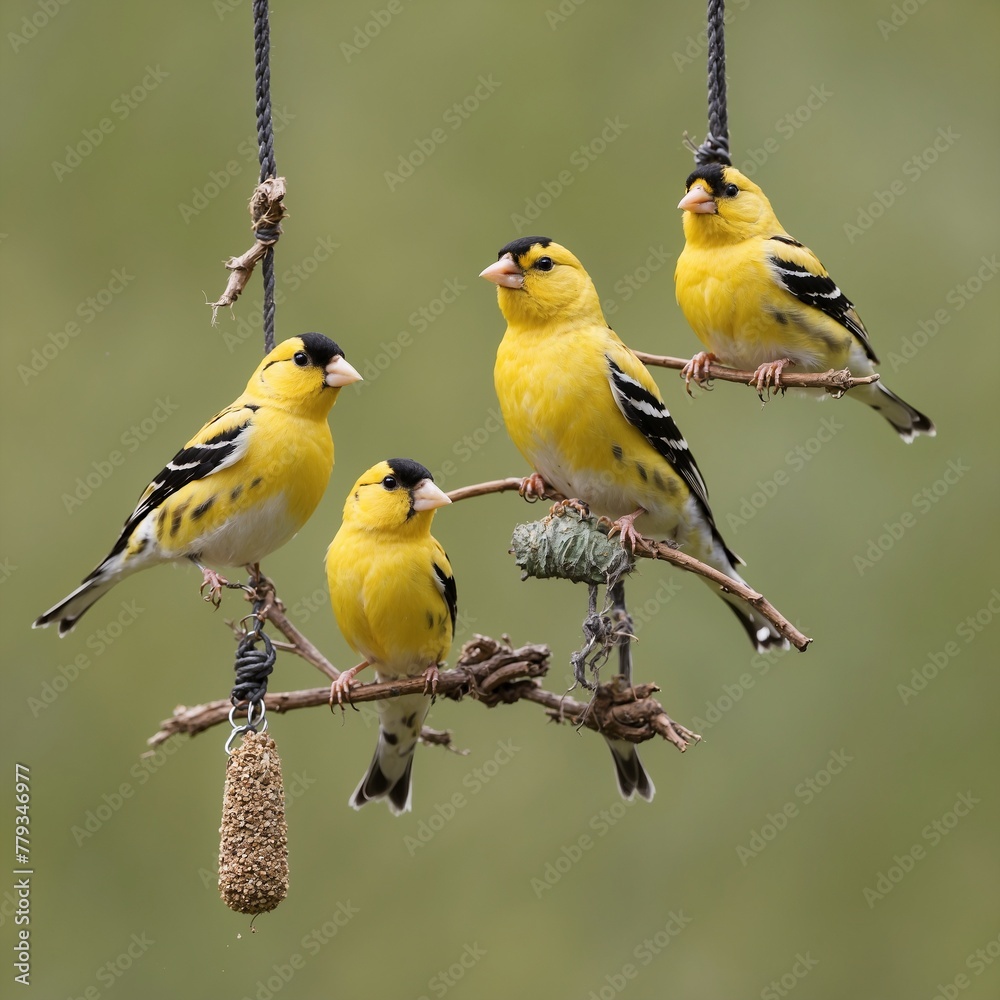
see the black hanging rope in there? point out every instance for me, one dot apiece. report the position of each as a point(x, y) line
point(253, 666)
point(715, 148)
point(265, 144)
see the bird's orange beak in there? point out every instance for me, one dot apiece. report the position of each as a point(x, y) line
point(505, 272)
point(699, 201)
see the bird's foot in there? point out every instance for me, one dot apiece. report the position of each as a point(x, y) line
point(215, 582)
point(341, 687)
point(625, 526)
point(768, 376)
point(533, 488)
point(697, 369)
point(431, 675)
point(560, 507)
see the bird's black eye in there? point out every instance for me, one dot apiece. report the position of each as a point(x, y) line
point(301, 358)
point(390, 482)
point(544, 264)
point(731, 191)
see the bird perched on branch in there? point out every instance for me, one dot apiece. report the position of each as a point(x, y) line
point(589, 419)
point(395, 600)
point(242, 486)
point(760, 300)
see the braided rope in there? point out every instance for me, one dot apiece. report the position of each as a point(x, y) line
point(253, 667)
point(715, 148)
point(265, 145)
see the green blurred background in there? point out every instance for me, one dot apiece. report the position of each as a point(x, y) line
point(838, 771)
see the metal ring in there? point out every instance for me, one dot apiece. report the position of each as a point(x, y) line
point(254, 723)
point(236, 732)
point(256, 631)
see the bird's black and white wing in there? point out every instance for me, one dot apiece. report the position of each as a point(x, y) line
point(797, 270)
point(222, 442)
point(648, 414)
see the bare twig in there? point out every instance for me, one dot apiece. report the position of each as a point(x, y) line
point(484, 668)
point(487, 671)
point(651, 549)
point(661, 550)
point(266, 211)
point(274, 611)
point(299, 644)
point(512, 483)
point(835, 382)
point(617, 712)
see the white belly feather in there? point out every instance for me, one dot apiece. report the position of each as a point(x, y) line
point(248, 536)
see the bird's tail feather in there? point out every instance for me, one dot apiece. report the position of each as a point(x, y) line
point(632, 776)
point(907, 421)
point(376, 784)
point(70, 609)
point(389, 774)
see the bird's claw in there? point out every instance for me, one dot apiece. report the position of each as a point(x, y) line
point(533, 488)
point(339, 690)
point(768, 376)
point(625, 526)
point(697, 369)
point(431, 675)
point(560, 507)
point(342, 684)
point(215, 582)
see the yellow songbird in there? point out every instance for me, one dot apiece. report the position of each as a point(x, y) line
point(760, 300)
point(589, 419)
point(395, 600)
point(242, 486)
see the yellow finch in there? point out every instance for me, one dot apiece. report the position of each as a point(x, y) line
point(395, 600)
point(242, 486)
point(589, 419)
point(760, 300)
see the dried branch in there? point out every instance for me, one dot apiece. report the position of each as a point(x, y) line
point(484, 665)
point(511, 484)
point(617, 712)
point(651, 549)
point(266, 212)
point(274, 611)
point(835, 382)
point(488, 671)
point(661, 550)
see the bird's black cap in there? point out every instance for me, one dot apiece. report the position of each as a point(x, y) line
point(408, 472)
point(712, 173)
point(321, 350)
point(523, 245)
